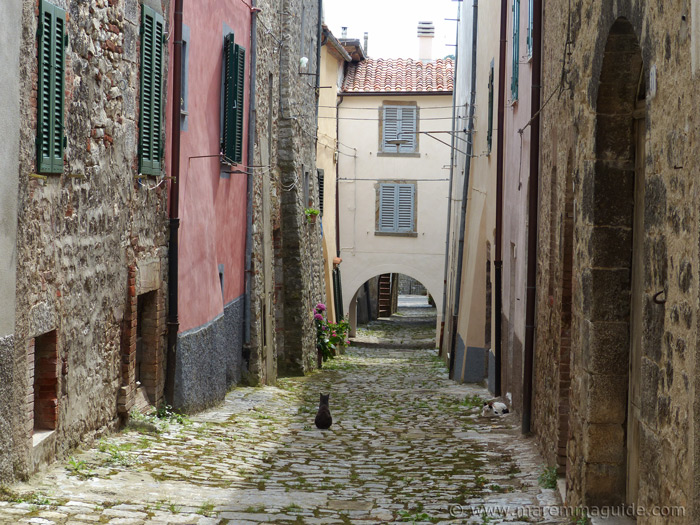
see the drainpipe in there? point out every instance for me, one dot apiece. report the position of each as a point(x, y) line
point(533, 190)
point(249, 182)
point(173, 320)
point(449, 194)
point(465, 192)
point(498, 260)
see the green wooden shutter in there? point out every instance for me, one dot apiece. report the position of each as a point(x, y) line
point(516, 50)
point(320, 177)
point(228, 139)
point(51, 88)
point(489, 134)
point(151, 110)
point(239, 91)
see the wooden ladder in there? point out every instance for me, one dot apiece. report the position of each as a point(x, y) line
point(385, 295)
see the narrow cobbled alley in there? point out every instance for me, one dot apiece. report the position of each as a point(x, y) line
point(406, 445)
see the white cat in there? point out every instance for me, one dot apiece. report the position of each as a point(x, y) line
point(494, 408)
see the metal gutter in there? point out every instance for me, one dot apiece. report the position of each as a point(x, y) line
point(498, 259)
point(173, 323)
point(449, 195)
point(533, 194)
point(252, 122)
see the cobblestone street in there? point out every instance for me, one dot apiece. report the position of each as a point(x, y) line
point(407, 444)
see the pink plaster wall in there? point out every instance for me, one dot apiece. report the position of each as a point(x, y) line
point(212, 208)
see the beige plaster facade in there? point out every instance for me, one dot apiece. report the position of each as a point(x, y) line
point(333, 59)
point(367, 253)
point(474, 324)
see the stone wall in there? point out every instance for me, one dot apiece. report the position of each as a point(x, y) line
point(588, 155)
point(287, 264)
point(81, 231)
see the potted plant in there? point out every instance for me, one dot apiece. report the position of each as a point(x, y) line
point(311, 214)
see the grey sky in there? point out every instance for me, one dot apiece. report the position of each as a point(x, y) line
point(392, 24)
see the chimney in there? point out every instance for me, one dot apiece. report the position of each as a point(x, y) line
point(366, 39)
point(344, 33)
point(426, 33)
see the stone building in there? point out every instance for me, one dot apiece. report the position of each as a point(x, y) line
point(287, 267)
point(89, 331)
point(618, 254)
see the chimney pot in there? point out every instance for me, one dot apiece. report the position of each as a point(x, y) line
point(344, 32)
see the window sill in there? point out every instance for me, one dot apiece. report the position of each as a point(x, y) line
point(396, 234)
point(407, 155)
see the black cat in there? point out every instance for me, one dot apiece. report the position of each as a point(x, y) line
point(323, 416)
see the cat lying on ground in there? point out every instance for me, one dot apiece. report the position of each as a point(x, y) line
point(323, 416)
point(494, 408)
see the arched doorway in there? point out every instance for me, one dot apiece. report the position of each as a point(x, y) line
point(612, 274)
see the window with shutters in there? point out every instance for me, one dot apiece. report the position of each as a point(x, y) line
point(398, 129)
point(516, 51)
point(489, 133)
point(151, 109)
point(396, 208)
point(50, 100)
point(234, 82)
point(530, 21)
point(320, 176)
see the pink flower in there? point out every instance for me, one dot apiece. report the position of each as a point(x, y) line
point(318, 317)
point(334, 334)
point(347, 342)
point(320, 307)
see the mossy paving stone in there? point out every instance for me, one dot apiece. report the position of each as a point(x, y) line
point(403, 446)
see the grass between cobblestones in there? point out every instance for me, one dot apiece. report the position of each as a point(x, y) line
point(405, 444)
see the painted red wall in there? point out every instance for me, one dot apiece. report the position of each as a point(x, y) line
point(212, 208)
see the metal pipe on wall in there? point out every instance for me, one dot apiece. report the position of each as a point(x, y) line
point(498, 259)
point(449, 194)
point(252, 116)
point(173, 250)
point(533, 194)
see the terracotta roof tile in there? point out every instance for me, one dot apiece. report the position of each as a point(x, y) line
point(398, 75)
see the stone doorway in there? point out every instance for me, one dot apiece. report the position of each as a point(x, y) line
point(611, 278)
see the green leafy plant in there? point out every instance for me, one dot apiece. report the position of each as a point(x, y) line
point(79, 468)
point(311, 214)
point(338, 334)
point(548, 478)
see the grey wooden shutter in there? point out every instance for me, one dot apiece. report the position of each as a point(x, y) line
point(151, 111)
point(387, 207)
point(408, 129)
point(390, 128)
point(51, 88)
point(405, 207)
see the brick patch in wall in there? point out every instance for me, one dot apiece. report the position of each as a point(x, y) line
point(42, 398)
